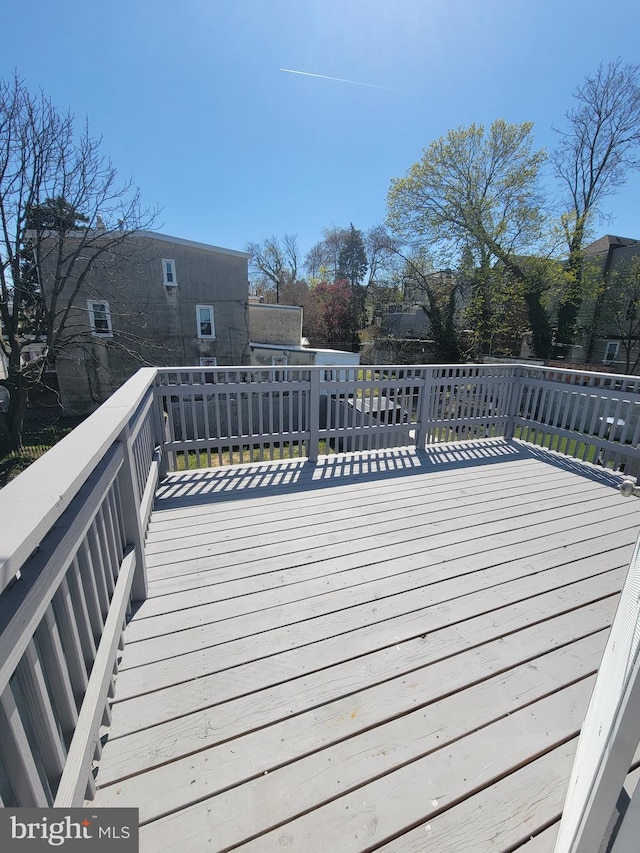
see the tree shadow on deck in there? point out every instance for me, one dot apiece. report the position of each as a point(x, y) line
point(262, 479)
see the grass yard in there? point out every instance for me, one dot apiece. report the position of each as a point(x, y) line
point(194, 459)
point(39, 435)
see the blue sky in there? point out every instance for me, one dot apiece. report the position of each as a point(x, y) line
point(191, 102)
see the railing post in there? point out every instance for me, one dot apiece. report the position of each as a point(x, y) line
point(159, 432)
point(513, 402)
point(423, 408)
point(131, 513)
point(314, 413)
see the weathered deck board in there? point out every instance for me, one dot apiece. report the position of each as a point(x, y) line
point(402, 713)
point(264, 546)
point(501, 816)
point(232, 527)
point(411, 794)
point(237, 707)
point(323, 644)
point(265, 634)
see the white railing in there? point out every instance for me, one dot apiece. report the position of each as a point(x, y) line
point(594, 417)
point(235, 415)
point(596, 816)
point(71, 560)
point(72, 547)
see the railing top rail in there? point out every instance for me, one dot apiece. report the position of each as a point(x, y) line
point(163, 372)
point(31, 504)
point(567, 371)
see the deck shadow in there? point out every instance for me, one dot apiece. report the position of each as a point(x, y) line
point(262, 479)
point(587, 470)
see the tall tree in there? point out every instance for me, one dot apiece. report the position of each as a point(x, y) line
point(625, 313)
point(384, 275)
point(598, 148)
point(323, 259)
point(62, 211)
point(475, 191)
point(332, 311)
point(381, 249)
point(274, 263)
point(352, 260)
point(437, 293)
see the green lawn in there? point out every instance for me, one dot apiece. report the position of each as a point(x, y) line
point(199, 459)
point(39, 435)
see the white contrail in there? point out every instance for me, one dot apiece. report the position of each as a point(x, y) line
point(338, 79)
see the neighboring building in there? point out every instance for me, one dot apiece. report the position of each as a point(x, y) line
point(407, 319)
point(275, 339)
point(156, 300)
point(609, 319)
point(404, 320)
point(275, 335)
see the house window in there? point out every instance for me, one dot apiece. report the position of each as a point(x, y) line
point(208, 362)
point(204, 318)
point(611, 351)
point(99, 318)
point(169, 277)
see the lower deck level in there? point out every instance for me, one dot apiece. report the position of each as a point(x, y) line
point(385, 651)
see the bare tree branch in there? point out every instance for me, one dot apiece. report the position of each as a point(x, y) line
point(62, 212)
point(598, 149)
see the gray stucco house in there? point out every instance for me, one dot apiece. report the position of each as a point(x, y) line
point(155, 300)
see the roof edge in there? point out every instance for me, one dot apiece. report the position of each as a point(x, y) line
point(181, 241)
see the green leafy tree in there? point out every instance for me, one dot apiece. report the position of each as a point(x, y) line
point(62, 212)
point(352, 259)
point(544, 278)
point(598, 149)
point(625, 313)
point(477, 192)
point(437, 293)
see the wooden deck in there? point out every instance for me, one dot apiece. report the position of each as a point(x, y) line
point(383, 651)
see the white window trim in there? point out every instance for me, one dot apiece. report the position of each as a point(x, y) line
point(208, 361)
point(165, 281)
point(213, 326)
point(92, 318)
point(607, 360)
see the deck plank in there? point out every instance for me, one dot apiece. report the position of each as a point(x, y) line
point(501, 816)
point(431, 502)
point(415, 792)
point(480, 648)
point(529, 510)
point(268, 632)
point(284, 603)
point(386, 724)
point(323, 643)
point(206, 585)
